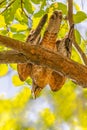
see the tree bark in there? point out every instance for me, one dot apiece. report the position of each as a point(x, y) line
point(41, 56)
point(12, 57)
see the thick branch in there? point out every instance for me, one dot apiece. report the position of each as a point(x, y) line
point(44, 57)
point(12, 57)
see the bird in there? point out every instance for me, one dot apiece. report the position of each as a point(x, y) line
point(42, 76)
point(24, 69)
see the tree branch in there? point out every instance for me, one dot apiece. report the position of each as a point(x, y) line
point(70, 12)
point(47, 58)
point(7, 6)
point(12, 57)
point(2, 2)
point(70, 18)
point(24, 10)
point(38, 29)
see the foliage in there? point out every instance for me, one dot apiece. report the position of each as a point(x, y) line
point(3, 69)
point(68, 105)
point(79, 17)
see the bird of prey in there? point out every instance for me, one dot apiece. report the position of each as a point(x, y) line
point(41, 76)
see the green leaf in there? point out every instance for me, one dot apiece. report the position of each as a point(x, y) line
point(28, 6)
point(79, 17)
point(22, 98)
point(39, 14)
point(19, 36)
point(43, 4)
point(36, 1)
point(16, 81)
point(62, 7)
point(20, 17)
point(3, 3)
point(63, 30)
point(10, 13)
point(13, 66)
point(3, 69)
point(8, 16)
point(59, 6)
point(19, 27)
point(48, 117)
point(4, 32)
point(77, 7)
point(2, 21)
point(29, 81)
point(36, 19)
point(77, 36)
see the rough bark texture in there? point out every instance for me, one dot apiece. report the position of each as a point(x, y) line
point(44, 57)
point(12, 57)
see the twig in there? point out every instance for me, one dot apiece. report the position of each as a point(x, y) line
point(40, 26)
point(70, 12)
point(24, 10)
point(2, 2)
point(7, 6)
point(70, 18)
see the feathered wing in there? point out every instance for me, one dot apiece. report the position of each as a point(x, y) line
point(42, 75)
point(64, 48)
point(50, 35)
point(56, 81)
point(24, 70)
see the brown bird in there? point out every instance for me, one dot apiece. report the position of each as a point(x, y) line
point(24, 69)
point(41, 76)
